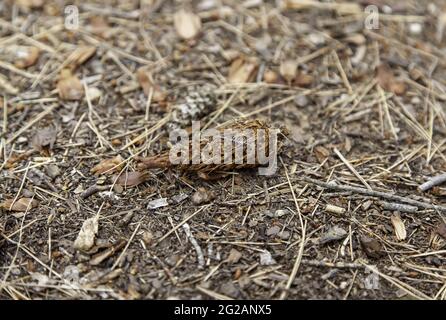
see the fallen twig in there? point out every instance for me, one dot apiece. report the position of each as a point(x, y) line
point(333, 186)
point(435, 181)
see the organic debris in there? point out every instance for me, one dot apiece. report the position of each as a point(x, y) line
point(21, 204)
point(398, 225)
point(69, 86)
point(187, 24)
point(96, 202)
point(147, 84)
point(387, 80)
point(108, 166)
point(44, 139)
point(243, 70)
point(209, 144)
point(86, 237)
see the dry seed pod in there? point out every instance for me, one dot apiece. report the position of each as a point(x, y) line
point(25, 56)
point(288, 70)
point(398, 226)
point(108, 165)
point(69, 86)
point(187, 24)
point(243, 70)
point(80, 56)
point(204, 163)
point(270, 76)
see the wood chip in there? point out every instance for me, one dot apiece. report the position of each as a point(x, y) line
point(187, 24)
point(86, 237)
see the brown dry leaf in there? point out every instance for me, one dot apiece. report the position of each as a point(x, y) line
point(398, 226)
point(187, 24)
point(288, 69)
point(303, 80)
point(20, 205)
point(270, 76)
point(202, 195)
point(25, 56)
point(85, 238)
point(441, 230)
point(69, 86)
point(108, 165)
point(321, 153)
point(43, 141)
point(101, 256)
point(372, 247)
point(234, 256)
point(80, 56)
point(242, 70)
point(131, 179)
point(146, 82)
point(387, 81)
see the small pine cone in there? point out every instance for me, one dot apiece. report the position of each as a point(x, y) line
point(196, 105)
point(257, 139)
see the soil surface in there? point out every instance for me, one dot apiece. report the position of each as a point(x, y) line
point(343, 217)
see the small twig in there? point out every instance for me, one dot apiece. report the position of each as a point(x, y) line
point(92, 190)
point(126, 247)
point(435, 181)
point(392, 206)
point(193, 241)
point(379, 194)
point(351, 168)
point(180, 224)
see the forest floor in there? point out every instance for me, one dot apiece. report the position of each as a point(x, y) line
point(343, 217)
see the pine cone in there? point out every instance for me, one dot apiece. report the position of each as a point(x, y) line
point(238, 144)
point(196, 105)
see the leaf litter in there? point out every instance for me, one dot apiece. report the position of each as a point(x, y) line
point(363, 106)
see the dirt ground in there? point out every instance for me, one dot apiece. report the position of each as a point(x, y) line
point(342, 218)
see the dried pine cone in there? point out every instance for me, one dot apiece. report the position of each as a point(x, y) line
point(197, 103)
point(251, 148)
